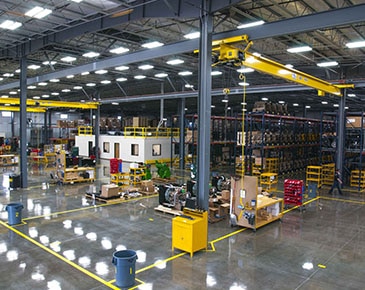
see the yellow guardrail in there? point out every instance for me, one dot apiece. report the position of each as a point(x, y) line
point(147, 132)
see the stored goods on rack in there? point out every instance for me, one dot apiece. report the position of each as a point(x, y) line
point(314, 175)
point(293, 192)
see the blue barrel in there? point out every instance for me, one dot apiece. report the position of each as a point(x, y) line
point(125, 263)
point(14, 213)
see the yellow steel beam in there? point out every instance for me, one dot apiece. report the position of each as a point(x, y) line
point(49, 104)
point(268, 66)
point(17, 109)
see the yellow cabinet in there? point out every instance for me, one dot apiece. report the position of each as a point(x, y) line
point(190, 231)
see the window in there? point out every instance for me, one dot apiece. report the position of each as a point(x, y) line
point(135, 149)
point(156, 150)
point(106, 147)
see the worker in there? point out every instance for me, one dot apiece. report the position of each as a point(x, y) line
point(337, 182)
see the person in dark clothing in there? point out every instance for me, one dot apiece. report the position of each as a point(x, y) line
point(337, 182)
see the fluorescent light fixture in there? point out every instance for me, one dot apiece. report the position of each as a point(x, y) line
point(212, 106)
point(185, 73)
point(91, 54)
point(225, 101)
point(54, 80)
point(1, 79)
point(38, 12)
point(31, 87)
point(115, 103)
point(68, 59)
point(264, 99)
point(139, 77)
point(105, 82)
point(119, 50)
point(101, 71)
point(243, 104)
point(152, 44)
point(6, 113)
point(281, 102)
point(307, 107)
point(77, 87)
point(77, 1)
point(295, 105)
point(189, 86)
point(175, 61)
point(63, 116)
point(299, 49)
point(85, 73)
point(289, 65)
point(324, 103)
point(8, 75)
point(55, 94)
point(70, 76)
point(216, 73)
point(355, 44)
point(251, 24)
point(327, 63)
point(245, 70)
point(11, 25)
point(283, 72)
point(243, 84)
point(257, 54)
point(122, 67)
point(45, 96)
point(351, 95)
point(66, 91)
point(52, 62)
point(146, 67)
point(4, 96)
point(36, 97)
point(17, 71)
point(121, 79)
point(346, 108)
point(42, 84)
point(34, 66)
point(12, 93)
point(161, 75)
point(90, 84)
point(192, 35)
point(336, 105)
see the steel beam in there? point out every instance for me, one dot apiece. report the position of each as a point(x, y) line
point(17, 109)
point(332, 18)
point(49, 104)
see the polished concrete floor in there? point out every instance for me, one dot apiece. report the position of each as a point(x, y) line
point(66, 241)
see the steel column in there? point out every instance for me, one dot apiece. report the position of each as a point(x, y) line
point(97, 129)
point(204, 103)
point(182, 133)
point(23, 122)
point(340, 152)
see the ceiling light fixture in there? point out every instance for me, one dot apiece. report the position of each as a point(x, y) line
point(36, 97)
point(355, 44)
point(66, 90)
point(245, 70)
point(192, 35)
point(33, 66)
point(101, 71)
point(54, 80)
point(185, 73)
point(243, 84)
point(77, 1)
point(336, 105)
point(8, 75)
point(85, 73)
point(121, 79)
point(324, 103)
point(175, 61)
point(139, 77)
point(9, 24)
point(161, 75)
point(55, 94)
point(68, 59)
point(78, 88)
point(91, 54)
point(70, 76)
point(327, 63)
point(12, 93)
point(251, 24)
point(299, 49)
point(307, 107)
point(47, 62)
point(31, 87)
point(152, 44)
point(122, 67)
point(351, 95)
point(45, 96)
point(295, 105)
point(38, 12)
point(146, 67)
point(119, 50)
point(115, 103)
point(105, 82)
point(90, 84)
point(216, 73)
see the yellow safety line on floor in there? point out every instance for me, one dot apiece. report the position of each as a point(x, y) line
point(90, 207)
point(298, 206)
point(88, 273)
point(343, 200)
point(224, 237)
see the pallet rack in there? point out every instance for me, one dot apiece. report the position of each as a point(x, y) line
point(314, 175)
point(328, 173)
point(269, 181)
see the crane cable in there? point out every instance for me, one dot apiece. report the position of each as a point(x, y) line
point(242, 77)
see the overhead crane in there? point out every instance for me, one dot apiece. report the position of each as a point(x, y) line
point(226, 51)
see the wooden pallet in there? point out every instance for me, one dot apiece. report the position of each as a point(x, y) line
point(168, 210)
point(103, 199)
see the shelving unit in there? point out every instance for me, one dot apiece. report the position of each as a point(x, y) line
point(74, 174)
point(9, 160)
point(293, 192)
point(121, 179)
point(314, 175)
point(269, 181)
point(328, 173)
point(253, 210)
point(357, 178)
point(136, 175)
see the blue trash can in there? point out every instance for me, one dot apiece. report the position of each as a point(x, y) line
point(125, 263)
point(14, 213)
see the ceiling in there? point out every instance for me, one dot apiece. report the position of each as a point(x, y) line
point(73, 29)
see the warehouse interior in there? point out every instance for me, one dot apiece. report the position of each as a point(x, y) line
point(217, 143)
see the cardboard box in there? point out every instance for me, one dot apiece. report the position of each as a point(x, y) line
point(225, 194)
point(355, 121)
point(147, 185)
point(109, 190)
